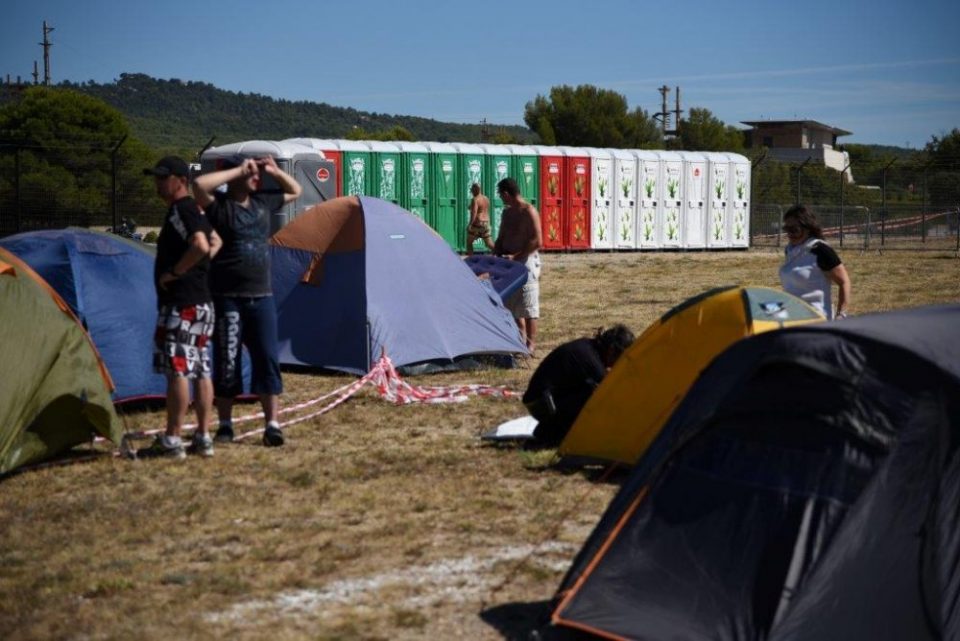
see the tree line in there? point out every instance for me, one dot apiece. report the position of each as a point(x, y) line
point(71, 147)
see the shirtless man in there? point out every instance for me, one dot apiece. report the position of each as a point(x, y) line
point(520, 239)
point(479, 226)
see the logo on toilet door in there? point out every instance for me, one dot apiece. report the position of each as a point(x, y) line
point(323, 174)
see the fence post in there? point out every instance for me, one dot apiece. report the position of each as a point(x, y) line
point(842, 172)
point(799, 169)
point(115, 202)
point(16, 189)
point(753, 166)
point(883, 203)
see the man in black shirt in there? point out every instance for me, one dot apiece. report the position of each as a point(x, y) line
point(185, 310)
point(241, 284)
point(565, 379)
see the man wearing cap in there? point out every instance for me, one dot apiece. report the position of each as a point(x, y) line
point(241, 284)
point(185, 319)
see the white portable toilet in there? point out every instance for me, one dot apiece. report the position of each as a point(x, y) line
point(603, 185)
point(739, 234)
point(670, 232)
point(718, 200)
point(624, 199)
point(305, 164)
point(650, 214)
point(694, 212)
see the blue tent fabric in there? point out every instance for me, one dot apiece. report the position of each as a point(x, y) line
point(355, 277)
point(107, 281)
point(506, 276)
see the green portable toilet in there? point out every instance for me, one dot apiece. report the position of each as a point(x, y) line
point(385, 162)
point(446, 194)
point(470, 169)
point(356, 160)
point(526, 171)
point(499, 165)
point(416, 189)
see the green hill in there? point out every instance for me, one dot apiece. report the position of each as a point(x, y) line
point(177, 114)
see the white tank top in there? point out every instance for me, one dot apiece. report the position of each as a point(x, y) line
point(801, 277)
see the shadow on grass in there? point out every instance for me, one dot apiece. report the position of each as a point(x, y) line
point(526, 622)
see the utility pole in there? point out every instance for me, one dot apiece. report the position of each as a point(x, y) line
point(676, 114)
point(36, 74)
point(483, 130)
point(46, 44)
point(664, 114)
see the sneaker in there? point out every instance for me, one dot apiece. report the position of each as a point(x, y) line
point(224, 434)
point(201, 444)
point(272, 436)
point(162, 447)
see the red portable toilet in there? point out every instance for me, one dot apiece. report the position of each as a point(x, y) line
point(552, 212)
point(330, 151)
point(577, 197)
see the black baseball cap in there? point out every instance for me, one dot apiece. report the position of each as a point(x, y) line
point(169, 166)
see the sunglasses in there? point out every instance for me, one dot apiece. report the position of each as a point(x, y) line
point(792, 229)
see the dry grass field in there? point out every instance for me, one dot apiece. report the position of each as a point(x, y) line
point(374, 521)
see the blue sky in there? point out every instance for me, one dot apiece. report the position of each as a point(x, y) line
point(889, 71)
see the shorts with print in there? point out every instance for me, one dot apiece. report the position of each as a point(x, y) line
point(479, 229)
point(180, 345)
point(526, 302)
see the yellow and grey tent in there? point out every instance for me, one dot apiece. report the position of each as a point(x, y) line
point(627, 410)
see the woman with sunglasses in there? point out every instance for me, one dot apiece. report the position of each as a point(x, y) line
point(811, 266)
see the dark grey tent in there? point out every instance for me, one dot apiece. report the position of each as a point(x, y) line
point(808, 487)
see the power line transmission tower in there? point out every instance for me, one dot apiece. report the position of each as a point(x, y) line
point(46, 44)
point(664, 114)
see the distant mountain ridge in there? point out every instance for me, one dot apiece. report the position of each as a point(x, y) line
point(177, 114)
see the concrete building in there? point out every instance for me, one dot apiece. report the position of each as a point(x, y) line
point(797, 140)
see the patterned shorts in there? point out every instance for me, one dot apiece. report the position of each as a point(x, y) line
point(480, 229)
point(180, 342)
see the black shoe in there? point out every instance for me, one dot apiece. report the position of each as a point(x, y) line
point(224, 434)
point(272, 436)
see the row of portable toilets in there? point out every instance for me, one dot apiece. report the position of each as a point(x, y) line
point(601, 199)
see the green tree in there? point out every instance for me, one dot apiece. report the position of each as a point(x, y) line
point(65, 141)
point(586, 116)
point(942, 168)
point(702, 131)
point(393, 133)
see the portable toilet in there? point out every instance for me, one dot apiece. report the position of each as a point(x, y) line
point(740, 197)
point(553, 220)
point(624, 216)
point(650, 184)
point(329, 150)
point(718, 200)
point(526, 171)
point(577, 197)
point(603, 187)
point(499, 165)
point(694, 210)
point(356, 160)
point(671, 220)
point(416, 188)
point(385, 164)
point(306, 165)
point(470, 169)
point(447, 202)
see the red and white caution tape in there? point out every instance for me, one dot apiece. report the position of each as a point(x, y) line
point(389, 385)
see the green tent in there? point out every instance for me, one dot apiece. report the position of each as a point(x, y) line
point(55, 391)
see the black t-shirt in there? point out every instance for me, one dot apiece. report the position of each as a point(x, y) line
point(827, 258)
point(242, 267)
point(183, 220)
point(570, 373)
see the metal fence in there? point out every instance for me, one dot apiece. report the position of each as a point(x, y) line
point(859, 227)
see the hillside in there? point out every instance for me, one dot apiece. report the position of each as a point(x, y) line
point(176, 114)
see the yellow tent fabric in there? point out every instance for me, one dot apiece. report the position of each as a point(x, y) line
point(635, 399)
